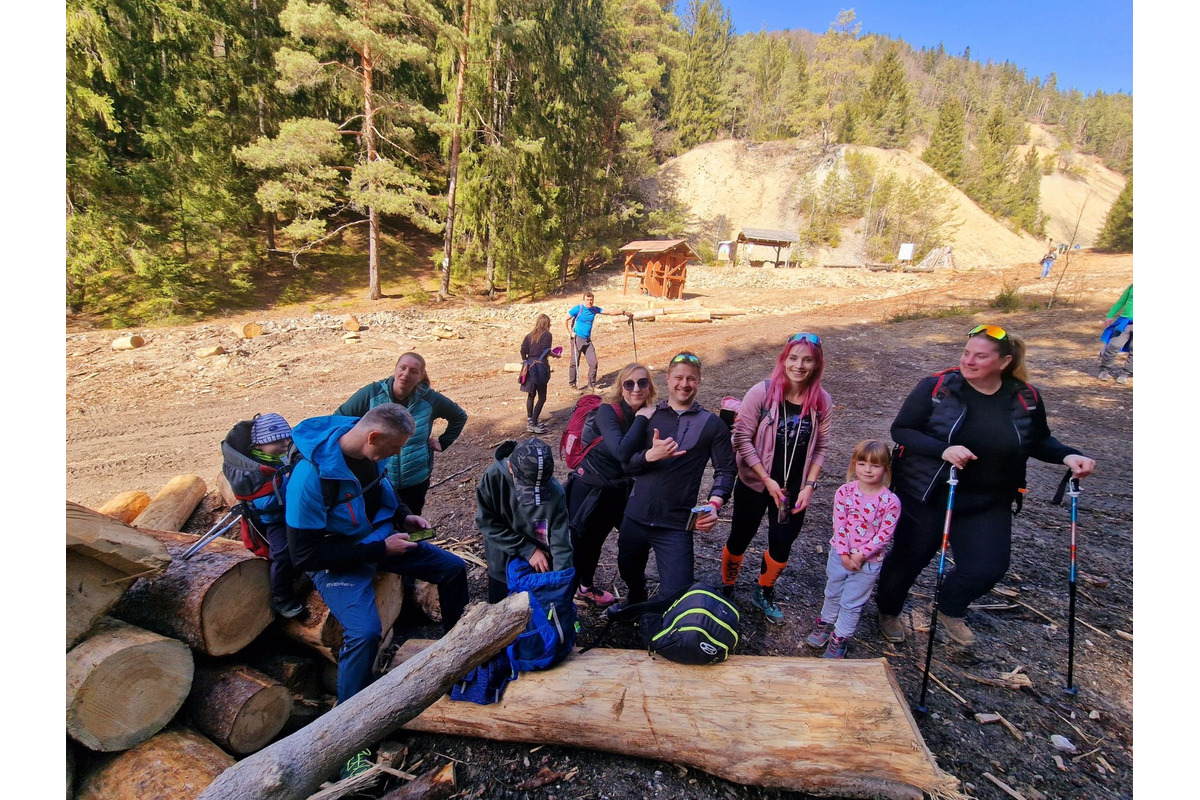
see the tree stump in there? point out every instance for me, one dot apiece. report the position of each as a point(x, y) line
point(128, 343)
point(239, 708)
point(126, 506)
point(124, 684)
point(174, 765)
point(321, 631)
point(217, 602)
point(172, 506)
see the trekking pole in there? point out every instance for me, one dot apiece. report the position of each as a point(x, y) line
point(941, 574)
point(1071, 688)
point(213, 532)
point(633, 333)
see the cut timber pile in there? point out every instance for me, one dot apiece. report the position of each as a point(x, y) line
point(237, 707)
point(810, 725)
point(104, 557)
point(174, 765)
point(124, 685)
point(217, 602)
point(172, 506)
point(323, 633)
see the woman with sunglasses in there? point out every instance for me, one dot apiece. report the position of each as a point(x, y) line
point(983, 418)
point(780, 438)
point(598, 489)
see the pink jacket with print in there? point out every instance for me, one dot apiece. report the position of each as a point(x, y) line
point(754, 436)
point(863, 524)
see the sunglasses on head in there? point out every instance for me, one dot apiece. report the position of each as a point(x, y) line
point(993, 331)
point(685, 358)
point(640, 383)
point(811, 338)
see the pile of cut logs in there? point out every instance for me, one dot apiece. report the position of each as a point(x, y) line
point(165, 692)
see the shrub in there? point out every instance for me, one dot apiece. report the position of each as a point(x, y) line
point(1009, 298)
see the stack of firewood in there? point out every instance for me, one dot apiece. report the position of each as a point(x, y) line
point(162, 693)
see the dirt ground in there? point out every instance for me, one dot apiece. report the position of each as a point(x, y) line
point(137, 418)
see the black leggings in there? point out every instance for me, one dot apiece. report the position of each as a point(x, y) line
point(594, 512)
point(532, 411)
point(748, 509)
point(980, 536)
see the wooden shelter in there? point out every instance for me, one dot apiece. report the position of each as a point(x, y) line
point(660, 265)
point(754, 246)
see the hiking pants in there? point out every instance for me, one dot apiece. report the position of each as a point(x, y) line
point(283, 573)
point(1108, 357)
point(672, 550)
point(846, 593)
point(748, 509)
point(350, 596)
point(594, 512)
point(585, 349)
point(981, 541)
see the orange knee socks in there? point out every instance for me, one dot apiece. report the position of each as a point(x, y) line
point(731, 565)
point(769, 570)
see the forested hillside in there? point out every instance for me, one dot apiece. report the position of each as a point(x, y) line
point(208, 141)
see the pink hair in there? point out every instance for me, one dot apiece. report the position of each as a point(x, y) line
point(812, 396)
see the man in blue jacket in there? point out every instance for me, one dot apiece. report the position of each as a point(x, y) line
point(345, 523)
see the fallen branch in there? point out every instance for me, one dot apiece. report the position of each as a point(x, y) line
point(1053, 621)
point(1004, 787)
point(455, 475)
point(953, 693)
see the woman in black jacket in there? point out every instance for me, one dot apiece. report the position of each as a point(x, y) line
point(536, 348)
point(598, 489)
point(984, 419)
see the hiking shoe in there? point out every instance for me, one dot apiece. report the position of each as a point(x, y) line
point(727, 590)
point(595, 596)
point(957, 630)
point(359, 763)
point(536, 427)
point(1104, 376)
point(767, 606)
point(288, 609)
point(837, 647)
point(821, 632)
point(891, 628)
point(1122, 379)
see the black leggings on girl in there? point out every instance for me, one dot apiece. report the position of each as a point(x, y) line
point(534, 411)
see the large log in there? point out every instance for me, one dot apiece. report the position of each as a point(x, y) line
point(126, 506)
point(321, 631)
point(239, 708)
point(124, 684)
point(104, 557)
point(805, 724)
point(246, 330)
point(172, 506)
point(294, 767)
point(297, 673)
point(217, 602)
point(174, 765)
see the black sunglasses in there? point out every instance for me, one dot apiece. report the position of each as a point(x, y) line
point(640, 383)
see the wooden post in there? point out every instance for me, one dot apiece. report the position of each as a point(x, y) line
point(294, 767)
point(172, 506)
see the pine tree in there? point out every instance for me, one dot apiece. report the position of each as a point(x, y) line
point(886, 104)
point(696, 97)
point(946, 145)
point(1117, 235)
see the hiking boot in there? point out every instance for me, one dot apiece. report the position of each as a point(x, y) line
point(596, 596)
point(767, 606)
point(537, 427)
point(891, 628)
point(288, 609)
point(821, 632)
point(1122, 379)
point(727, 590)
point(837, 647)
point(359, 763)
point(1104, 376)
point(957, 630)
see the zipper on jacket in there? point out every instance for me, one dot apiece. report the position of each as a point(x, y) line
point(942, 466)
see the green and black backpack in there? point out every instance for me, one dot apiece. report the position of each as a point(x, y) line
point(701, 627)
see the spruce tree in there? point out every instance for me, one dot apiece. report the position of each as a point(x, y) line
point(886, 104)
point(696, 97)
point(1117, 235)
point(946, 145)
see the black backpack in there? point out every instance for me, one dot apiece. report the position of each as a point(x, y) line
point(698, 625)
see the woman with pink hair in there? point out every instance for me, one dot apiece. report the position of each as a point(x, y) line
point(779, 441)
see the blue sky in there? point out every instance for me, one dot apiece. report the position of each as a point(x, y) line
point(1088, 44)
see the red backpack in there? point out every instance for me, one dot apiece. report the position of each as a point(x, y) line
point(571, 446)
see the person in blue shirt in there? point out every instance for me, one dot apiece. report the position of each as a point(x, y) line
point(579, 328)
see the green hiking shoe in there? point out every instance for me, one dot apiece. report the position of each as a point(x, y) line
point(767, 605)
point(359, 763)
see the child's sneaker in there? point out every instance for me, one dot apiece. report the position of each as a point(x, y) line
point(766, 604)
point(821, 632)
point(837, 647)
point(596, 596)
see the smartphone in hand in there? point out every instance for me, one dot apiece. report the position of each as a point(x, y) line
point(422, 535)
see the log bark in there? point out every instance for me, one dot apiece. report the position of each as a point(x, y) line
point(103, 558)
point(819, 726)
point(126, 506)
point(128, 343)
point(294, 767)
point(321, 631)
point(216, 602)
point(436, 784)
point(425, 595)
point(174, 765)
point(172, 506)
point(239, 708)
point(297, 673)
point(246, 330)
point(124, 684)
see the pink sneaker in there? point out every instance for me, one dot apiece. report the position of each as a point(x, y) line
point(596, 596)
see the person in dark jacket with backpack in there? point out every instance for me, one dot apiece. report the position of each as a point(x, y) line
point(536, 348)
point(984, 419)
point(598, 489)
point(666, 450)
point(270, 441)
point(345, 522)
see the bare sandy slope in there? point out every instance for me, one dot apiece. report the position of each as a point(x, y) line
point(731, 184)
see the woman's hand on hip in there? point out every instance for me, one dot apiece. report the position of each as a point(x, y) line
point(958, 455)
point(1081, 466)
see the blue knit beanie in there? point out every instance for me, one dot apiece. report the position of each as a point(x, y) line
point(269, 428)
